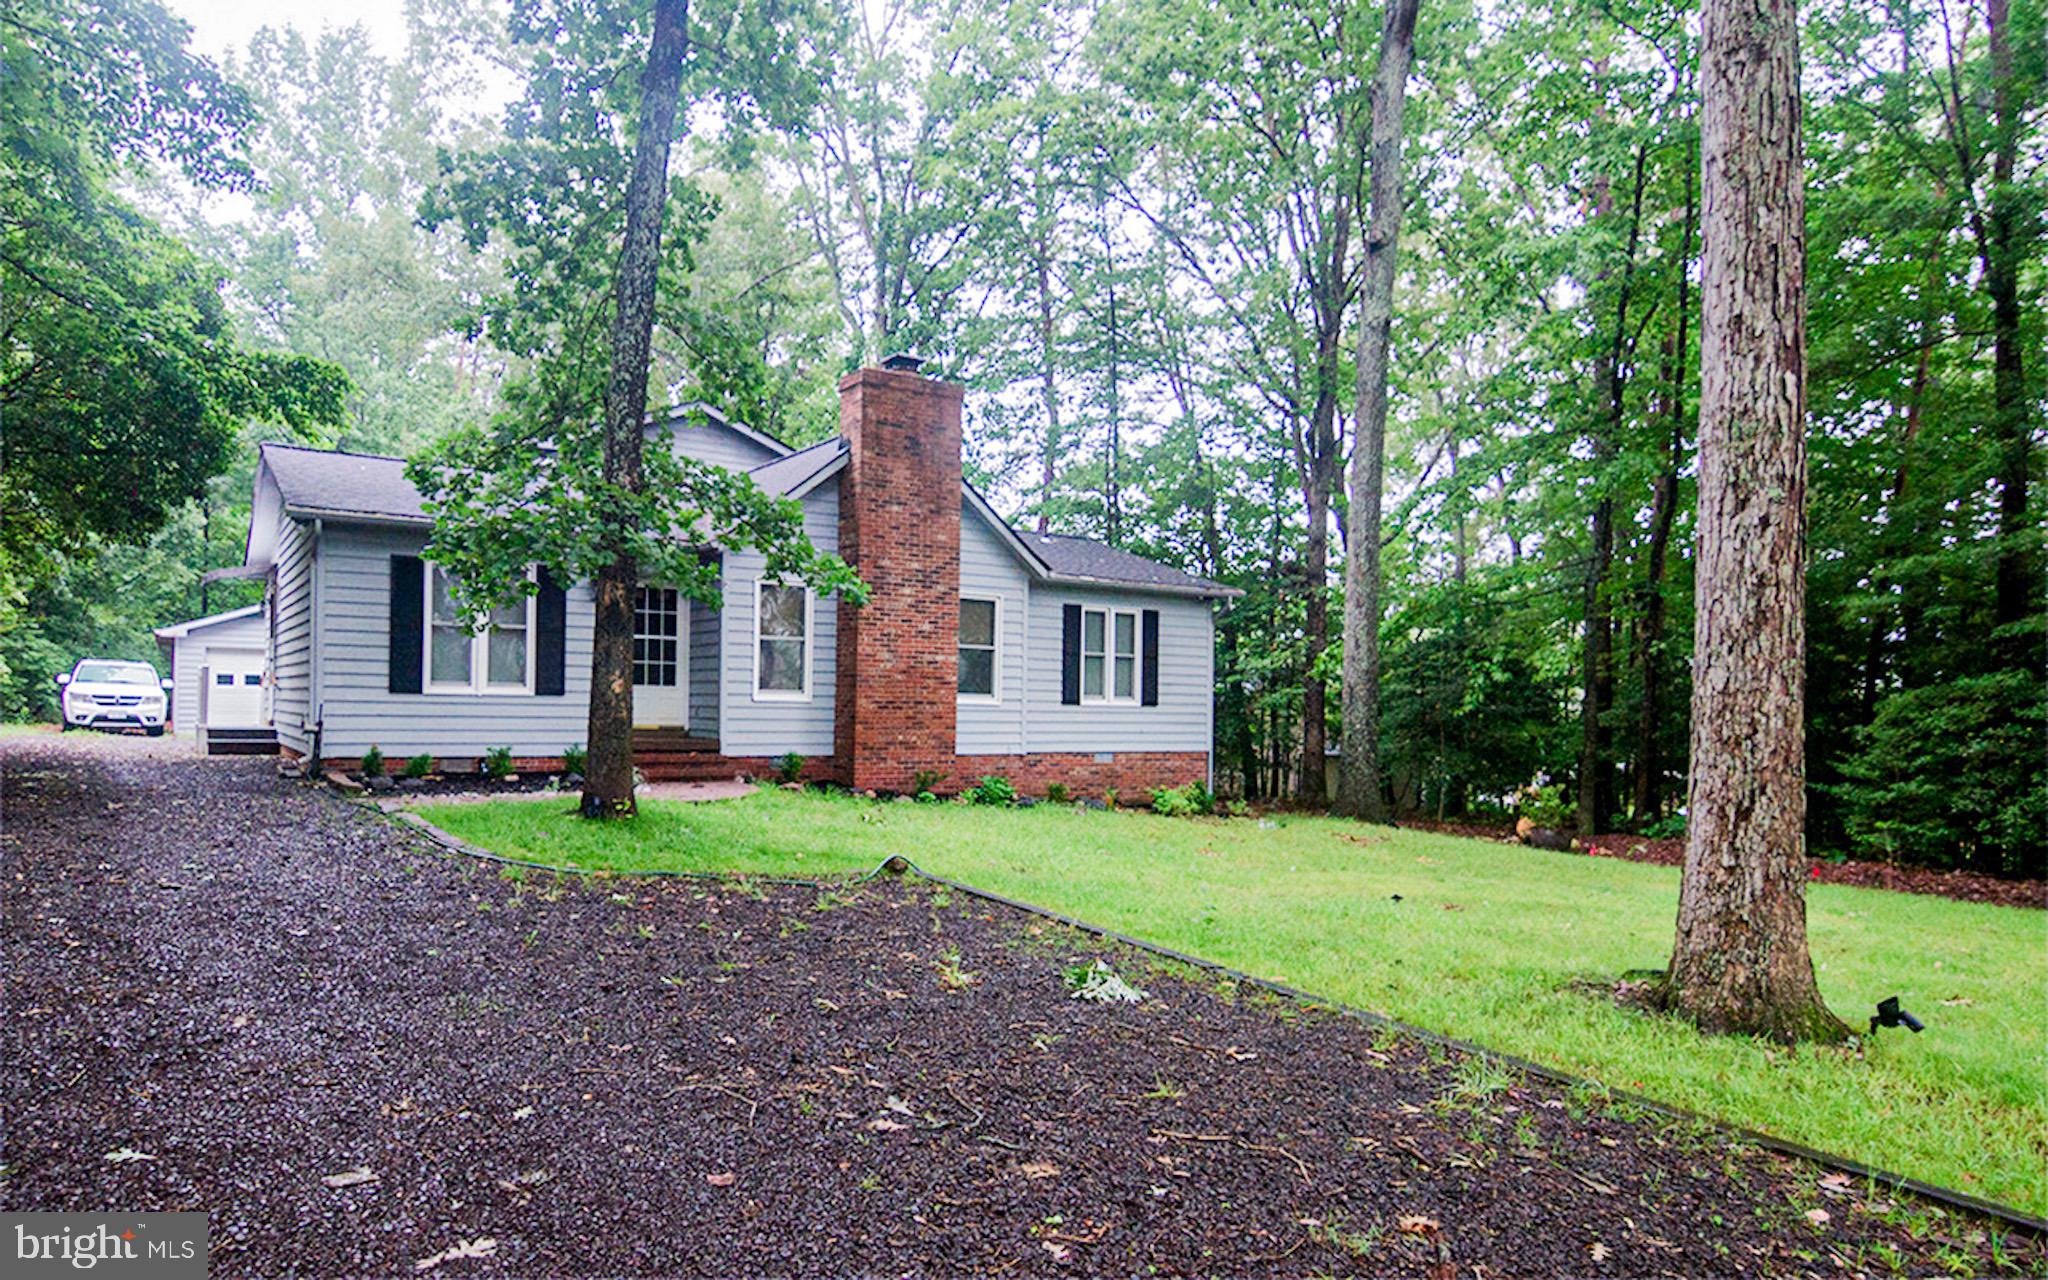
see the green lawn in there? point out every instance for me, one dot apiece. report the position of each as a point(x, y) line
point(1484, 944)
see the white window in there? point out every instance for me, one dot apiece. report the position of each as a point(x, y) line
point(782, 642)
point(1109, 655)
point(980, 664)
point(461, 657)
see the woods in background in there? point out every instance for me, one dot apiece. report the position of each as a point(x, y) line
point(1136, 230)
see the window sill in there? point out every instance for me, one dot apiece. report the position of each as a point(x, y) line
point(772, 696)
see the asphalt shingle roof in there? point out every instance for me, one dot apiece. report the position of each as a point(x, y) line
point(361, 484)
point(374, 487)
point(785, 475)
point(1075, 557)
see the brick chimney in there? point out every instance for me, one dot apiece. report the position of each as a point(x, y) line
point(899, 526)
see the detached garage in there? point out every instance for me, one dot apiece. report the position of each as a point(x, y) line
point(218, 692)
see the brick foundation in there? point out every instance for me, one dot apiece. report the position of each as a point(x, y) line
point(899, 526)
point(1132, 774)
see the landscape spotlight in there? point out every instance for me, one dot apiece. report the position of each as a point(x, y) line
point(1890, 1015)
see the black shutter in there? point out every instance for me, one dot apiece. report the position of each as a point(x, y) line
point(1070, 655)
point(1149, 647)
point(551, 619)
point(408, 619)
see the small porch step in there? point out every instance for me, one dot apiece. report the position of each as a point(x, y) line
point(676, 755)
point(239, 742)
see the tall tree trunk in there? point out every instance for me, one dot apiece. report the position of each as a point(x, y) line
point(1596, 769)
point(1740, 961)
point(1050, 455)
point(2018, 583)
point(1359, 791)
point(1311, 786)
point(1649, 763)
point(608, 786)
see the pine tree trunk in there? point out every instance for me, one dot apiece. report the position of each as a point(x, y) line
point(608, 786)
point(1359, 790)
point(1740, 963)
point(2018, 583)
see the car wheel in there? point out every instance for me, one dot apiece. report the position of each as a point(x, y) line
point(154, 730)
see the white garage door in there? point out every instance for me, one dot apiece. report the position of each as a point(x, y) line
point(234, 688)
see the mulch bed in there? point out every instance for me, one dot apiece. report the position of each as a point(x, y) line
point(259, 986)
point(1963, 886)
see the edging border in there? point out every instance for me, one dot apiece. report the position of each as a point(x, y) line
point(897, 864)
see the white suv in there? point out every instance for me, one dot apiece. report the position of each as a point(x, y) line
point(101, 693)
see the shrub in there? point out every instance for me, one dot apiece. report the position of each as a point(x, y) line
point(993, 789)
point(789, 766)
point(373, 762)
point(1548, 807)
point(419, 766)
point(926, 781)
point(574, 759)
point(1238, 809)
point(498, 762)
point(1183, 801)
point(1109, 797)
point(1056, 793)
point(1669, 827)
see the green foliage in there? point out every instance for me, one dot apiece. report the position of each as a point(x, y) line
point(1669, 827)
point(1183, 801)
point(574, 758)
point(121, 381)
point(1056, 793)
point(418, 766)
point(1548, 806)
point(498, 762)
point(924, 781)
point(789, 766)
point(373, 762)
point(1951, 775)
point(993, 789)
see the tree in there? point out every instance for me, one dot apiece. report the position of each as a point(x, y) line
point(540, 485)
point(1740, 963)
point(1358, 786)
point(122, 383)
point(608, 783)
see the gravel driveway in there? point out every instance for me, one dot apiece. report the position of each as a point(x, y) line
point(258, 987)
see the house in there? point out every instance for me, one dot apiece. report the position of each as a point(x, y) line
point(218, 694)
point(982, 650)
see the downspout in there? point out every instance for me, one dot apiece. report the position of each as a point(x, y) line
point(314, 709)
point(1024, 682)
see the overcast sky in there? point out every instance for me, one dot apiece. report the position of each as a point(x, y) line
point(218, 25)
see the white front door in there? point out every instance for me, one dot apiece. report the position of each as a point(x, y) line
point(661, 658)
point(234, 688)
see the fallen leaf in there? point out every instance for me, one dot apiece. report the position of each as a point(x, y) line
point(1039, 1169)
point(482, 1247)
point(350, 1177)
point(1598, 1251)
point(1059, 1252)
point(126, 1155)
point(1415, 1224)
point(1835, 1184)
point(883, 1124)
point(721, 1179)
point(1817, 1216)
point(522, 1113)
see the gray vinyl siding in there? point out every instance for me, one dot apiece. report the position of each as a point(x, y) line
point(359, 709)
point(751, 728)
point(188, 659)
point(990, 570)
point(712, 442)
point(291, 644)
point(704, 663)
point(1181, 721)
